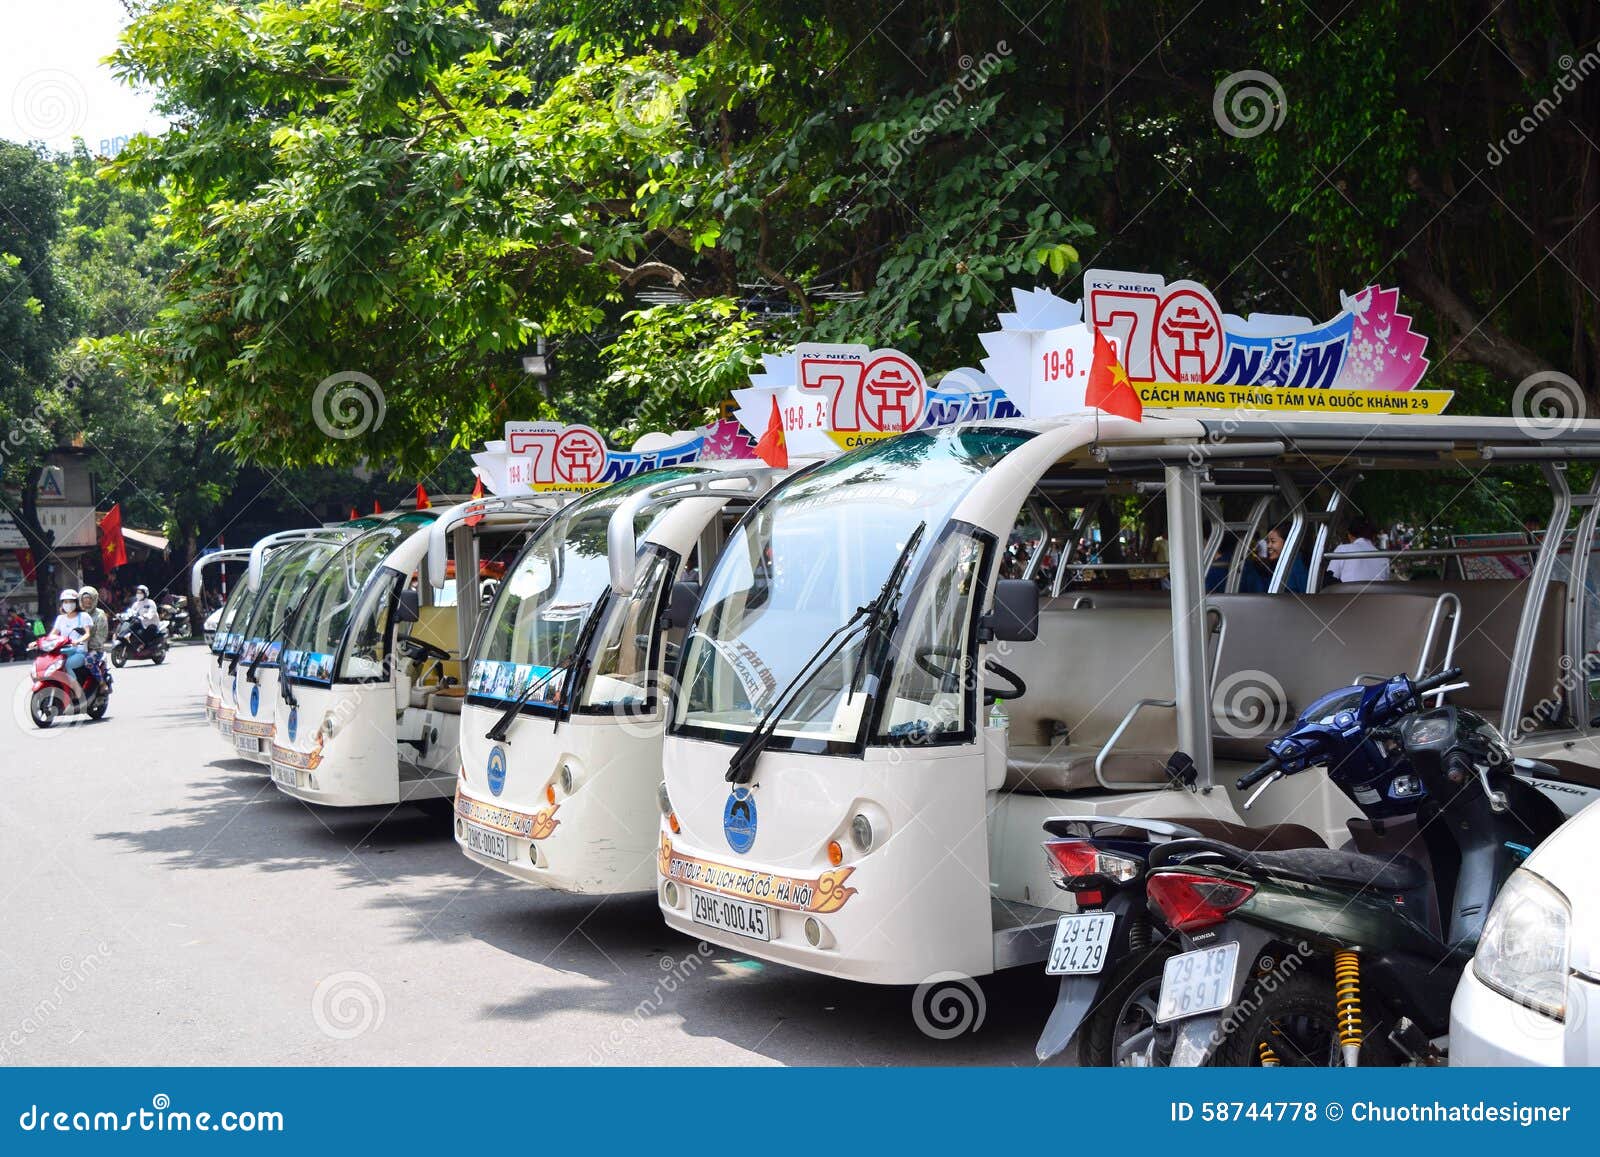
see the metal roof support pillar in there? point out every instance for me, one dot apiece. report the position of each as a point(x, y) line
point(1190, 675)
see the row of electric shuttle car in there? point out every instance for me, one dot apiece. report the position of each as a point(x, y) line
point(766, 694)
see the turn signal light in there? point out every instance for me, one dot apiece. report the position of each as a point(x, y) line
point(835, 853)
point(1191, 902)
point(672, 822)
point(550, 794)
point(1078, 864)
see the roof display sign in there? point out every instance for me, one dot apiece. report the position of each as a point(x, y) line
point(552, 458)
point(1181, 350)
point(835, 397)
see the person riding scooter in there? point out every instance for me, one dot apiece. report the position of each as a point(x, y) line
point(100, 635)
point(77, 625)
point(146, 616)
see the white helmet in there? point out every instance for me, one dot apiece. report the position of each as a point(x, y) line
point(141, 591)
point(88, 594)
point(69, 596)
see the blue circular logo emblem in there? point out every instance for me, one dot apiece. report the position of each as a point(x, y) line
point(294, 722)
point(255, 699)
point(739, 819)
point(497, 769)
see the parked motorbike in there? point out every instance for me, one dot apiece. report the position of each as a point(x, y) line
point(175, 615)
point(136, 640)
point(1317, 956)
point(1111, 954)
point(57, 692)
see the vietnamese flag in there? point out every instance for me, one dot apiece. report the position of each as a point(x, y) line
point(477, 493)
point(376, 509)
point(422, 498)
point(113, 549)
point(25, 561)
point(353, 514)
point(772, 448)
point(1109, 388)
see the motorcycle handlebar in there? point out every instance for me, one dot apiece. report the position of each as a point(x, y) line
point(1256, 774)
point(1433, 682)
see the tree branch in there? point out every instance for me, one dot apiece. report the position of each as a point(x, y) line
point(1479, 342)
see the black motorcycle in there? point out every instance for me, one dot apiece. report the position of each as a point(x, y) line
point(136, 640)
point(1318, 956)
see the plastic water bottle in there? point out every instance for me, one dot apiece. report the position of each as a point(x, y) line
point(997, 714)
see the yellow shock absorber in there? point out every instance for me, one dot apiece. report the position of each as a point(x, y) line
point(1269, 1059)
point(1347, 1003)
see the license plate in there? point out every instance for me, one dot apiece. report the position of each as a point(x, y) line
point(488, 843)
point(248, 744)
point(738, 916)
point(1197, 982)
point(1081, 944)
point(285, 775)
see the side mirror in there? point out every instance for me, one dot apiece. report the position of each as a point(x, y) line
point(1014, 618)
point(681, 604)
point(406, 607)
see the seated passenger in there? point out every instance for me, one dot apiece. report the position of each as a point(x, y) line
point(1359, 536)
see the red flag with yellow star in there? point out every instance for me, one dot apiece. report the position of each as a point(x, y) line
point(1109, 388)
point(477, 493)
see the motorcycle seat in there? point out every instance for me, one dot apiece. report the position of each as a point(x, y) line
point(1380, 873)
point(1310, 865)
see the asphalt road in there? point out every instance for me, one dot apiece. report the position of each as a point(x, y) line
point(162, 904)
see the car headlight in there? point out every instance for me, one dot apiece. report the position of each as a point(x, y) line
point(1526, 944)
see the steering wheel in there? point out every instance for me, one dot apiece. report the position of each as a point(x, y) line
point(950, 668)
point(1017, 689)
point(422, 649)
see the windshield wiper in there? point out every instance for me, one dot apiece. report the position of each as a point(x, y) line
point(502, 725)
point(742, 765)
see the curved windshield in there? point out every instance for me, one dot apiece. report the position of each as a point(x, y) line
point(227, 639)
point(821, 546)
point(532, 631)
point(285, 580)
point(330, 600)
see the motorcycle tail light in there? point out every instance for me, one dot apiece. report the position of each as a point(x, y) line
point(1078, 864)
point(1190, 902)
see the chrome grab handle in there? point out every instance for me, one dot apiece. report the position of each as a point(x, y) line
point(1105, 751)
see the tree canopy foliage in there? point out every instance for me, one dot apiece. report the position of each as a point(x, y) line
point(419, 190)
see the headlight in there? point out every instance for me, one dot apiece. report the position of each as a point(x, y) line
point(1526, 943)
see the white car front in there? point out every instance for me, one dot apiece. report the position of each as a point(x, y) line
point(1531, 995)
